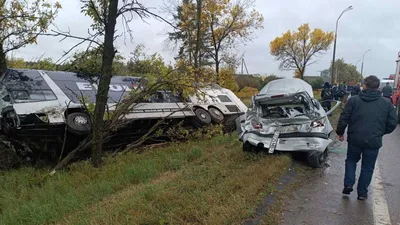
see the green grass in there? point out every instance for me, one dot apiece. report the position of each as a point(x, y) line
point(198, 182)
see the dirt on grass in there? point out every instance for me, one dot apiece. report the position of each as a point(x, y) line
point(198, 182)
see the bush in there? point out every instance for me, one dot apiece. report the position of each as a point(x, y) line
point(247, 92)
point(248, 81)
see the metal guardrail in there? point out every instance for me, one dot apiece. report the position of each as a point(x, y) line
point(333, 108)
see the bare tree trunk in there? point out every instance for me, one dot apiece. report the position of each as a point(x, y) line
point(105, 79)
point(217, 65)
point(3, 61)
point(197, 59)
point(302, 73)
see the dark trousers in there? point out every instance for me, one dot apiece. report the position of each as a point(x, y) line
point(369, 157)
point(327, 105)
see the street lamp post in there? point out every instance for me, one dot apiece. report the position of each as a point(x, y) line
point(357, 64)
point(334, 44)
point(362, 63)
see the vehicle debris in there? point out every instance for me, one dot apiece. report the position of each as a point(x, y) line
point(286, 117)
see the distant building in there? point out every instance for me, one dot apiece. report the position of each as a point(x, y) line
point(325, 75)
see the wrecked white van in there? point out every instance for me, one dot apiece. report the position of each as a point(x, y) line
point(286, 117)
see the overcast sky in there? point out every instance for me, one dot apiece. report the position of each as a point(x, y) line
point(372, 24)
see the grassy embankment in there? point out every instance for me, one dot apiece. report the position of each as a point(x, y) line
point(198, 182)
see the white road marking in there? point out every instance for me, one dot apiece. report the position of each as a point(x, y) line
point(380, 206)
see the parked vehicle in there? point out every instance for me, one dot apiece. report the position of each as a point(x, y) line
point(39, 104)
point(286, 117)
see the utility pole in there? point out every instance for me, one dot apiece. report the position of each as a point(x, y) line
point(362, 62)
point(334, 44)
point(336, 76)
point(241, 72)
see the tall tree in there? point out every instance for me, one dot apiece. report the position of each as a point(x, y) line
point(345, 72)
point(190, 33)
point(21, 22)
point(105, 14)
point(297, 49)
point(229, 22)
point(223, 24)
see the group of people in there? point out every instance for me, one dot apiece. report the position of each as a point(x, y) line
point(342, 92)
point(337, 92)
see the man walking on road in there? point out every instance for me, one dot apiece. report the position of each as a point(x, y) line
point(368, 116)
point(387, 91)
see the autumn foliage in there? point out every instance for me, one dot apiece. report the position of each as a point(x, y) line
point(21, 22)
point(296, 49)
point(212, 39)
point(247, 92)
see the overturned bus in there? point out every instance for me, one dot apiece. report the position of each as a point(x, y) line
point(44, 104)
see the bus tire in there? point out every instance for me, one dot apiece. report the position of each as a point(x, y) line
point(78, 123)
point(216, 115)
point(202, 118)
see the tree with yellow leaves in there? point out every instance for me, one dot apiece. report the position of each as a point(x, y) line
point(21, 22)
point(296, 50)
point(223, 24)
point(229, 22)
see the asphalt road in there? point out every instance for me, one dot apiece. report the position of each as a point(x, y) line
point(320, 200)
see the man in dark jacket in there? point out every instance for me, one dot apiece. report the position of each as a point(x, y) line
point(387, 91)
point(368, 117)
point(335, 92)
point(355, 90)
point(326, 96)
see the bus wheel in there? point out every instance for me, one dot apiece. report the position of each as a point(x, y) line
point(78, 123)
point(202, 118)
point(216, 115)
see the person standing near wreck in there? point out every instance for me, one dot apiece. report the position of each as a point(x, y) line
point(327, 96)
point(368, 117)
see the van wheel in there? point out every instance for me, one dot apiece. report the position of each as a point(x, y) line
point(216, 115)
point(317, 159)
point(78, 123)
point(202, 118)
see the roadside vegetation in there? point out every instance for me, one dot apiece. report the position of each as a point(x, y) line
point(198, 182)
point(206, 180)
